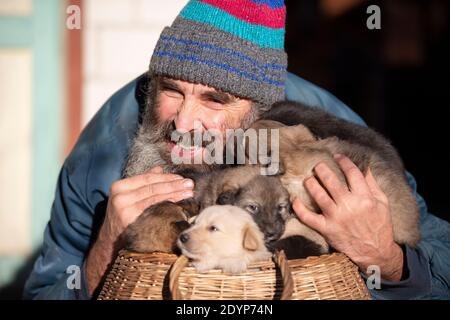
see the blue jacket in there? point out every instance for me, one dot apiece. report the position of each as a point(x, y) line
point(97, 160)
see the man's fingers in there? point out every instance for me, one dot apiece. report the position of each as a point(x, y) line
point(355, 178)
point(319, 195)
point(374, 187)
point(173, 197)
point(142, 180)
point(309, 218)
point(151, 190)
point(330, 181)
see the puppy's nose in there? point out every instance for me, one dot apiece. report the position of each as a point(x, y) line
point(184, 237)
point(271, 236)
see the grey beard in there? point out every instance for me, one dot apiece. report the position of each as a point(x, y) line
point(144, 155)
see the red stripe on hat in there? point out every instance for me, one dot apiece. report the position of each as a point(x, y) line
point(247, 10)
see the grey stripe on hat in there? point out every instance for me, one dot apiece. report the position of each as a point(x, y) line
point(204, 54)
point(231, 60)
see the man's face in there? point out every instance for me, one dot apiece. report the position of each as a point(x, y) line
point(187, 104)
point(188, 107)
point(176, 106)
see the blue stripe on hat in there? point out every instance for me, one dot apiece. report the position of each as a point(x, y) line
point(274, 4)
point(223, 66)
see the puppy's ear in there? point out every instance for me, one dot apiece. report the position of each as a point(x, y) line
point(300, 133)
point(191, 220)
point(281, 169)
point(228, 197)
point(251, 241)
point(190, 206)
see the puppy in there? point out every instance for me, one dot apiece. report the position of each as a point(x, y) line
point(301, 150)
point(159, 226)
point(266, 199)
point(157, 229)
point(263, 197)
point(322, 124)
point(223, 237)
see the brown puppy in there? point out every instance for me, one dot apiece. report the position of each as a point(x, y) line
point(157, 228)
point(300, 152)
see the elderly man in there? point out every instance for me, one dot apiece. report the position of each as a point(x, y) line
point(219, 66)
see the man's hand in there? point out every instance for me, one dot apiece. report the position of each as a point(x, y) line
point(355, 220)
point(128, 199)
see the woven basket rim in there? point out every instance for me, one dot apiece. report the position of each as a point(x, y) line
point(169, 258)
point(147, 276)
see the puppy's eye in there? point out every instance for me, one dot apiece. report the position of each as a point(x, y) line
point(282, 207)
point(213, 229)
point(252, 208)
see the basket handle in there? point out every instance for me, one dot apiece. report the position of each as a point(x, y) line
point(174, 276)
point(279, 259)
point(288, 282)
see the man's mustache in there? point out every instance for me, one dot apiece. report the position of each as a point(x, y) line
point(193, 138)
point(189, 139)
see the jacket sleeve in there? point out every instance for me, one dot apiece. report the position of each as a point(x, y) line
point(428, 265)
point(58, 272)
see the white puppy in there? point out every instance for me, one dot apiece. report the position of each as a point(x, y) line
point(223, 237)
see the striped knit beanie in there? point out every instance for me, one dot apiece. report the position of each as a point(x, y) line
point(236, 46)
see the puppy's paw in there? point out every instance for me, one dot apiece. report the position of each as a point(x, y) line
point(202, 267)
point(235, 267)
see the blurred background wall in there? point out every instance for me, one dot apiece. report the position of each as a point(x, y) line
point(53, 80)
point(31, 126)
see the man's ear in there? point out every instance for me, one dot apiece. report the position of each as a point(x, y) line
point(228, 197)
point(250, 241)
point(181, 225)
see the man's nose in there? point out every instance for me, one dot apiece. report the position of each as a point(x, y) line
point(189, 117)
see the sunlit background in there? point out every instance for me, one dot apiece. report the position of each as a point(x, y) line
point(53, 80)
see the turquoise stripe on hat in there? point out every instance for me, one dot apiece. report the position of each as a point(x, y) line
point(260, 35)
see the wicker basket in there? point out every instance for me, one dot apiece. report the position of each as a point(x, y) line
point(159, 276)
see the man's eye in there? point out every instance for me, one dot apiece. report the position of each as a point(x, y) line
point(215, 104)
point(172, 92)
